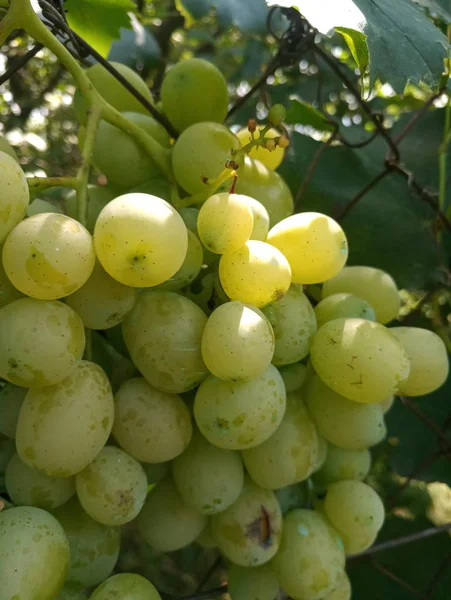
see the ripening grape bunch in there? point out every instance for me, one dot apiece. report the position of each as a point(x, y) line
point(246, 411)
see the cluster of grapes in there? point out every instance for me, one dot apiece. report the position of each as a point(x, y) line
point(249, 411)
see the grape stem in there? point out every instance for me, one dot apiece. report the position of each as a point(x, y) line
point(211, 187)
point(45, 182)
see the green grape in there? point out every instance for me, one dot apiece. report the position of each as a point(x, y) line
point(157, 186)
point(387, 404)
point(39, 206)
point(357, 513)
point(310, 560)
point(48, 256)
point(277, 114)
point(189, 216)
point(258, 583)
point(194, 90)
point(94, 548)
point(113, 487)
point(98, 198)
point(261, 220)
point(342, 590)
point(341, 464)
point(140, 240)
point(5, 146)
point(293, 376)
point(206, 538)
point(41, 342)
point(59, 431)
point(190, 268)
point(8, 293)
point(294, 324)
point(271, 159)
point(163, 334)
point(266, 186)
point(243, 414)
point(151, 425)
point(237, 342)
point(200, 153)
point(126, 586)
point(289, 455)
point(29, 487)
point(342, 422)
point(225, 222)
point(34, 554)
point(292, 496)
point(157, 471)
point(257, 274)
point(102, 302)
point(359, 359)
point(370, 284)
point(314, 244)
point(124, 162)
point(321, 455)
point(7, 450)
point(209, 479)
point(11, 400)
point(248, 532)
point(113, 91)
point(343, 305)
point(166, 522)
point(14, 203)
point(429, 366)
point(71, 592)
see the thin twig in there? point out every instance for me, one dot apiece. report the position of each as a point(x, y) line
point(350, 205)
point(407, 402)
point(396, 579)
point(362, 144)
point(20, 62)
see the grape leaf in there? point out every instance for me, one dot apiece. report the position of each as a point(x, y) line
point(248, 16)
point(99, 21)
point(442, 8)
point(301, 113)
point(136, 46)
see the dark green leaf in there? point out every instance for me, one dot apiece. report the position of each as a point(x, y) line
point(99, 21)
point(137, 47)
point(301, 113)
point(249, 15)
point(441, 8)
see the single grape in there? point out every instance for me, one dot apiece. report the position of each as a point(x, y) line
point(11, 400)
point(34, 554)
point(243, 414)
point(157, 186)
point(190, 216)
point(277, 114)
point(15, 195)
point(343, 422)
point(48, 256)
point(41, 342)
point(94, 548)
point(225, 222)
point(102, 302)
point(272, 159)
point(8, 293)
point(266, 186)
point(71, 592)
point(292, 496)
point(429, 365)
point(257, 274)
point(113, 487)
point(5, 146)
point(370, 284)
point(201, 153)
point(124, 162)
point(314, 244)
point(98, 198)
point(248, 532)
point(343, 305)
point(163, 334)
point(237, 342)
point(157, 471)
point(310, 560)
point(63, 427)
point(166, 522)
point(150, 425)
point(293, 376)
point(194, 90)
point(39, 206)
point(140, 240)
point(261, 220)
point(209, 479)
point(29, 487)
point(190, 268)
point(126, 586)
point(294, 324)
point(357, 513)
point(289, 455)
point(113, 91)
point(359, 359)
point(258, 583)
point(341, 464)
point(342, 590)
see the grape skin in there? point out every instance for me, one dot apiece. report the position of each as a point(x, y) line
point(293, 376)
point(8, 293)
point(341, 464)
point(11, 400)
point(190, 268)
point(261, 220)
point(256, 583)
point(14, 202)
point(126, 586)
point(344, 305)
point(272, 159)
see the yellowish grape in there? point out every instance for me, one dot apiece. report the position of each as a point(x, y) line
point(261, 220)
point(272, 159)
point(341, 464)
point(257, 583)
point(293, 376)
point(257, 274)
point(343, 305)
point(314, 244)
point(342, 591)
point(359, 359)
point(370, 284)
point(140, 240)
point(126, 586)
point(150, 425)
point(190, 268)
point(15, 195)
point(11, 400)
point(48, 256)
point(59, 431)
point(41, 342)
point(237, 342)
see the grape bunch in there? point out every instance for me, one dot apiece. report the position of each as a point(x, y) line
point(245, 413)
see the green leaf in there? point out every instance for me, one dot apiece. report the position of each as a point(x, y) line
point(358, 46)
point(442, 8)
point(99, 21)
point(248, 16)
point(301, 113)
point(137, 46)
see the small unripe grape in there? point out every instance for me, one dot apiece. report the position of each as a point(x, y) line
point(270, 154)
point(277, 114)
